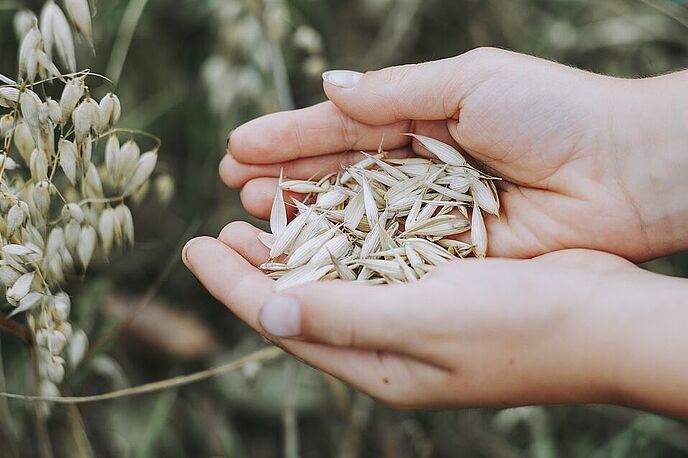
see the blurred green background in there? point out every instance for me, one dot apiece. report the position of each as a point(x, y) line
point(194, 70)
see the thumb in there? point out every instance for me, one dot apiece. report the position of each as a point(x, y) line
point(342, 314)
point(428, 91)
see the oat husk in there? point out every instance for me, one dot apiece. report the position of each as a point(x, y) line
point(381, 220)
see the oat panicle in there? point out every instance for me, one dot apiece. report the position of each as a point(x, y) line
point(66, 181)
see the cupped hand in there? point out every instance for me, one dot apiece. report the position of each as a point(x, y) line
point(588, 161)
point(489, 332)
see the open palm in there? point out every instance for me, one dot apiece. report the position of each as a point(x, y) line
point(549, 130)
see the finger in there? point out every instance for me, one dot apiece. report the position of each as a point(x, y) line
point(312, 131)
point(260, 181)
point(243, 289)
point(235, 174)
point(243, 238)
point(228, 277)
point(431, 91)
point(347, 315)
point(257, 196)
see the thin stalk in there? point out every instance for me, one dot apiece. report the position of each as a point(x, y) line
point(44, 446)
point(75, 423)
point(127, 27)
point(6, 419)
point(16, 329)
point(156, 423)
point(668, 9)
point(290, 420)
point(280, 76)
point(266, 354)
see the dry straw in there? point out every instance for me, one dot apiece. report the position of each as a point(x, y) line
point(382, 220)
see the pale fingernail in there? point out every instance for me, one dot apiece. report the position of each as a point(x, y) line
point(342, 78)
point(281, 316)
point(186, 250)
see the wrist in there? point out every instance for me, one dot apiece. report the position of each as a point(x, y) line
point(577, 359)
point(595, 338)
point(648, 343)
point(653, 157)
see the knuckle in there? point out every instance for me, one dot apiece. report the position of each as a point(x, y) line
point(344, 329)
point(333, 324)
point(299, 140)
point(322, 323)
point(482, 63)
point(395, 75)
point(348, 130)
point(484, 53)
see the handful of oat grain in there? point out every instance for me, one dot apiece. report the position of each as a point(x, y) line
point(382, 220)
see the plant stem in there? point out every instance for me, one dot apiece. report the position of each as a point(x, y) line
point(156, 423)
point(280, 76)
point(44, 446)
point(127, 27)
point(9, 430)
point(16, 329)
point(75, 423)
point(266, 354)
point(289, 417)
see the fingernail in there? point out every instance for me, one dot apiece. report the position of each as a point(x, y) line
point(186, 250)
point(281, 316)
point(342, 78)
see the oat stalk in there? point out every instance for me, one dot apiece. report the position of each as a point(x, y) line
point(263, 355)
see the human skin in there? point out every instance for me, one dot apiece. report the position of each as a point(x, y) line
point(590, 163)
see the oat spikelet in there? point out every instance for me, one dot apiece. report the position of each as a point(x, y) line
point(278, 216)
point(444, 152)
point(381, 221)
point(478, 233)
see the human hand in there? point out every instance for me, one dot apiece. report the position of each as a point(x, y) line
point(589, 161)
point(575, 326)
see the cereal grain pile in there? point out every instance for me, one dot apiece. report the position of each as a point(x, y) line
point(382, 220)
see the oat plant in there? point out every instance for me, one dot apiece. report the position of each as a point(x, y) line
point(253, 41)
point(67, 174)
point(382, 220)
